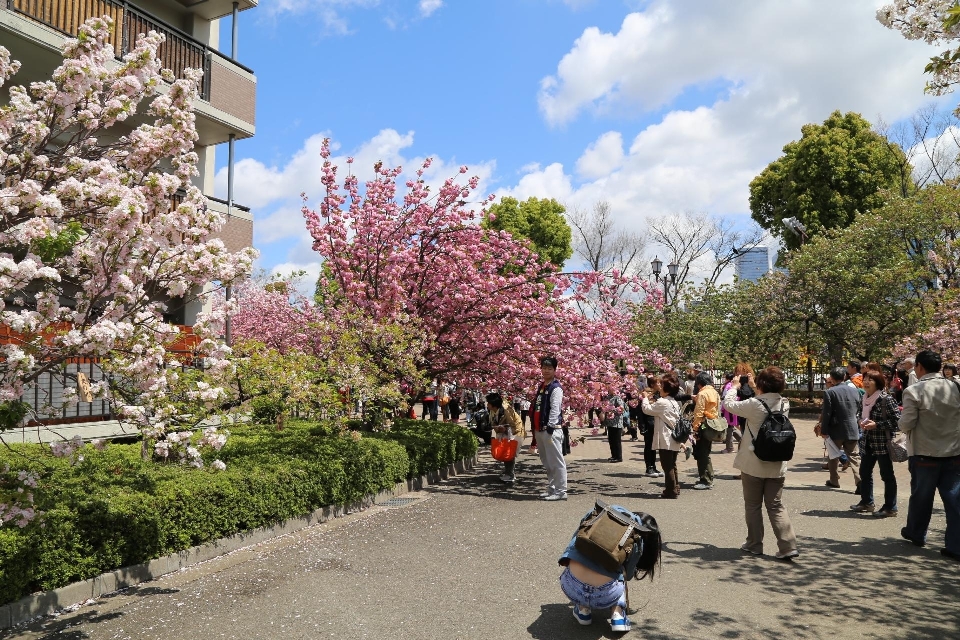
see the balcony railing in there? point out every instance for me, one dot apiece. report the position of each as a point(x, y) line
point(179, 51)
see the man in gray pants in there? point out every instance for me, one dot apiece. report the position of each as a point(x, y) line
point(840, 421)
point(548, 431)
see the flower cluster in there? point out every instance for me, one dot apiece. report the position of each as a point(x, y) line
point(934, 22)
point(16, 497)
point(66, 448)
point(185, 447)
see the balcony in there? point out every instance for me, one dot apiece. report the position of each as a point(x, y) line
point(227, 86)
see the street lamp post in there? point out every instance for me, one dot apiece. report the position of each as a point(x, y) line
point(672, 268)
point(798, 229)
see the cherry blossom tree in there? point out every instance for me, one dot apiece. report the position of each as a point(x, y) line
point(101, 230)
point(934, 22)
point(485, 308)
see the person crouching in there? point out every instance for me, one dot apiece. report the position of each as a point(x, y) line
point(506, 424)
point(590, 586)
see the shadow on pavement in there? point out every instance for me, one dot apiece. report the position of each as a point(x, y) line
point(64, 629)
point(67, 628)
point(823, 513)
point(885, 588)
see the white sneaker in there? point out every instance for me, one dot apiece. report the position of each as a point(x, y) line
point(788, 555)
point(548, 492)
point(506, 478)
point(553, 497)
point(700, 486)
point(620, 623)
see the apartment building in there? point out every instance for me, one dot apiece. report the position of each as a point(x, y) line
point(34, 32)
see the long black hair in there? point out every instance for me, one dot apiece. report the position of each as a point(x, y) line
point(652, 543)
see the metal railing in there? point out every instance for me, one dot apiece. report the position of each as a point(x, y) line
point(45, 394)
point(179, 51)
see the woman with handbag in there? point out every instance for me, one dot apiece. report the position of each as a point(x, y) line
point(881, 423)
point(732, 422)
point(666, 412)
point(506, 425)
point(647, 424)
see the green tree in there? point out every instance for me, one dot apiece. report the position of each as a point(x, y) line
point(835, 171)
point(861, 286)
point(755, 322)
point(539, 220)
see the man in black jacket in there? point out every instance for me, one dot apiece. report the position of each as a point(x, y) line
point(840, 421)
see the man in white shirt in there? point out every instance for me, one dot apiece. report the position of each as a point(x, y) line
point(931, 420)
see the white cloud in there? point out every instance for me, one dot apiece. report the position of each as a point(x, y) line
point(602, 157)
point(772, 67)
point(427, 7)
point(819, 53)
point(777, 65)
point(306, 284)
point(333, 14)
point(273, 192)
point(330, 12)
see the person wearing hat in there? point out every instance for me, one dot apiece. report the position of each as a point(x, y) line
point(548, 432)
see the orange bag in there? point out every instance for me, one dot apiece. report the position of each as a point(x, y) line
point(504, 449)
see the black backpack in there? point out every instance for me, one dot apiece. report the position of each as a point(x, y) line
point(684, 427)
point(776, 438)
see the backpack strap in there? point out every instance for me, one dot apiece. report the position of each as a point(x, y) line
point(769, 413)
point(753, 438)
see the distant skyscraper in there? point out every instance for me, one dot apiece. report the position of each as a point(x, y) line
point(753, 263)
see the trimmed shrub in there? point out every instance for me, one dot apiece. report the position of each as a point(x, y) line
point(431, 445)
point(109, 509)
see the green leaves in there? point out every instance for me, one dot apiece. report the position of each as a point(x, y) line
point(835, 171)
point(60, 244)
point(540, 221)
point(12, 413)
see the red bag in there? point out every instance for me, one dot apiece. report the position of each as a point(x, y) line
point(504, 449)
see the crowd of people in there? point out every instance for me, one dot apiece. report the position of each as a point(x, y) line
point(866, 409)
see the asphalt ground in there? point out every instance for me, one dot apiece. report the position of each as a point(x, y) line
point(473, 558)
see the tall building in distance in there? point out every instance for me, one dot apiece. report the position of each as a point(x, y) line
point(753, 264)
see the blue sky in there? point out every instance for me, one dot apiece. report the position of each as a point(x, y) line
point(656, 107)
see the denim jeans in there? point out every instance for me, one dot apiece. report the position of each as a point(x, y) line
point(605, 596)
point(883, 461)
point(928, 475)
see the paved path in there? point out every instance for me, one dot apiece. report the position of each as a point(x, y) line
point(472, 559)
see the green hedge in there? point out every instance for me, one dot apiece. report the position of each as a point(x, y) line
point(431, 445)
point(112, 510)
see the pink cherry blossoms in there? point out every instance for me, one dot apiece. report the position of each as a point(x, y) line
point(94, 248)
point(487, 308)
